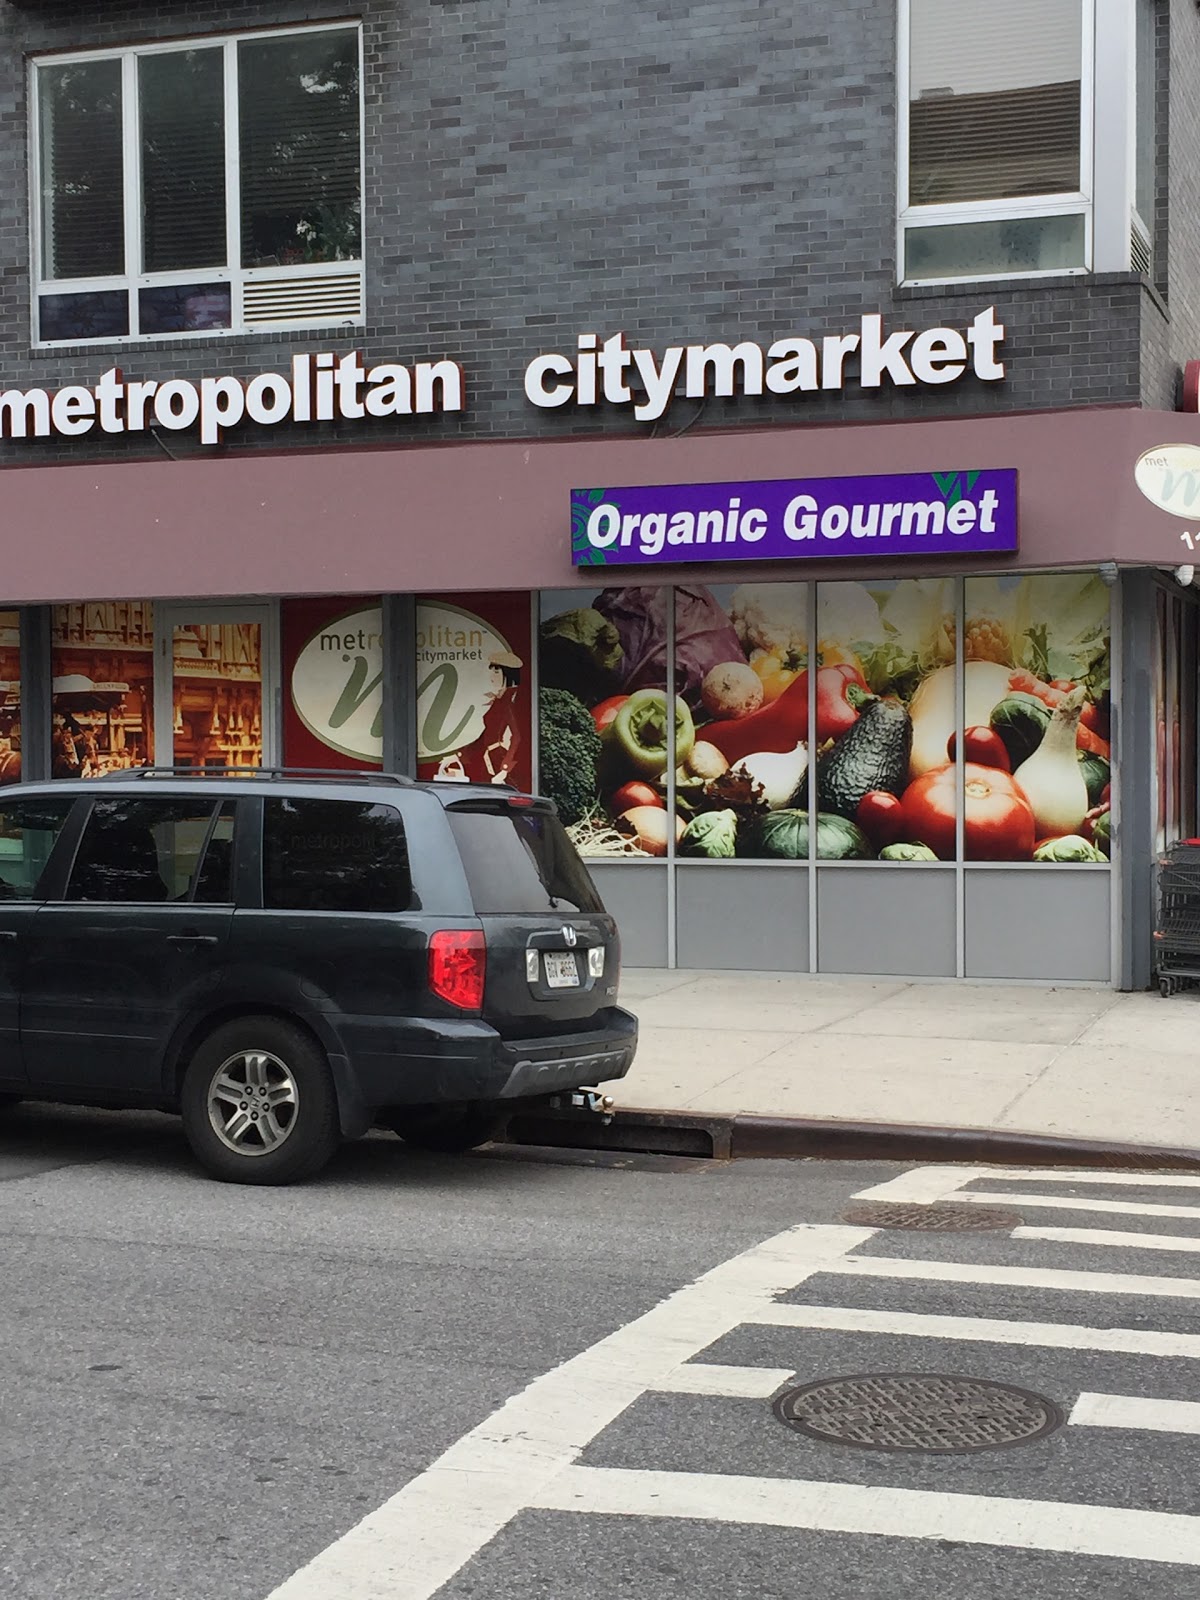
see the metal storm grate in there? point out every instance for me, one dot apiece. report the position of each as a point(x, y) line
point(321, 297)
point(932, 1219)
point(939, 1415)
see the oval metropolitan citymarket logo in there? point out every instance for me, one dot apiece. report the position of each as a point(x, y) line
point(1169, 477)
point(337, 684)
point(453, 650)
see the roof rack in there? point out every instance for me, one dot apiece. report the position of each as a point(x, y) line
point(309, 774)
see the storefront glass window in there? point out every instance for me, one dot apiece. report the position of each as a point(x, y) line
point(333, 682)
point(1037, 696)
point(885, 781)
point(602, 665)
point(741, 659)
point(10, 697)
point(102, 666)
point(474, 707)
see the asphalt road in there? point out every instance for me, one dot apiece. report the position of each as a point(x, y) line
point(215, 1393)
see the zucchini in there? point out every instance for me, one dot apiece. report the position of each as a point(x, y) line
point(873, 754)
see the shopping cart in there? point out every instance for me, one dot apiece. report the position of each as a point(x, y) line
point(1177, 934)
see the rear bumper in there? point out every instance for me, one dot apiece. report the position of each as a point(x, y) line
point(431, 1063)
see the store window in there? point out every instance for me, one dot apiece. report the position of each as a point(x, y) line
point(334, 855)
point(1037, 715)
point(474, 700)
point(996, 172)
point(604, 745)
point(199, 187)
point(102, 687)
point(10, 697)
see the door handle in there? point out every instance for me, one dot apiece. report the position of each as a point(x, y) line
point(8, 933)
point(188, 938)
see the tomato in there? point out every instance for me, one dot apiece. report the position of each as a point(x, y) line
point(604, 713)
point(630, 795)
point(881, 817)
point(776, 669)
point(984, 746)
point(997, 819)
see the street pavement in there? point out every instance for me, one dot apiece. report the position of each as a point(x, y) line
point(520, 1374)
point(1074, 1062)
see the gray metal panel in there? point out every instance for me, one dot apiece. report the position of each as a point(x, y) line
point(637, 898)
point(883, 919)
point(1051, 923)
point(748, 919)
point(399, 683)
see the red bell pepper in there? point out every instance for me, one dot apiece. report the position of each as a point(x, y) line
point(841, 694)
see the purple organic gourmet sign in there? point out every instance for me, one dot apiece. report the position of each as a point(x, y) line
point(797, 519)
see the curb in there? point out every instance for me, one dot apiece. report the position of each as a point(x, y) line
point(742, 1137)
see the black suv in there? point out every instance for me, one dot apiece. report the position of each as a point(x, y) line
point(287, 959)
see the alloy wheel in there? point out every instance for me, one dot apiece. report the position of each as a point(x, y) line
point(253, 1099)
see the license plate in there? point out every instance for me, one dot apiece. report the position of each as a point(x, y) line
point(561, 971)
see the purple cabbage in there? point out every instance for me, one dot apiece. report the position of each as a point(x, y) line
point(704, 636)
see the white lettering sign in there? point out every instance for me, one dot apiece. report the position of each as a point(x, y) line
point(320, 388)
point(608, 372)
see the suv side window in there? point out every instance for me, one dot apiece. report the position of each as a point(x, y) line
point(28, 831)
point(147, 851)
point(334, 855)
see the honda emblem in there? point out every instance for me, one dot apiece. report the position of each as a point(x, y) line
point(571, 937)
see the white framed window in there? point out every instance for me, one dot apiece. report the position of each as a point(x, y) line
point(995, 138)
point(200, 186)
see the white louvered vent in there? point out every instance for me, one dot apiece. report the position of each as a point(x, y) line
point(321, 297)
point(1139, 251)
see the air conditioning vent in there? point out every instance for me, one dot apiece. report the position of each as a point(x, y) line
point(1139, 251)
point(319, 297)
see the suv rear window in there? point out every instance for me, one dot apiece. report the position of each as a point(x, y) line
point(334, 855)
point(520, 861)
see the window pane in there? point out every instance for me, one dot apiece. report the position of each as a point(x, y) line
point(183, 160)
point(597, 649)
point(742, 652)
point(981, 249)
point(214, 880)
point(1147, 108)
point(142, 851)
point(96, 314)
point(1037, 716)
point(185, 308)
point(102, 666)
point(10, 697)
point(83, 197)
point(28, 829)
point(885, 720)
point(334, 855)
point(994, 94)
point(298, 104)
point(521, 861)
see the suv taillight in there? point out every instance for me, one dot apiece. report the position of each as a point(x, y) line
point(457, 957)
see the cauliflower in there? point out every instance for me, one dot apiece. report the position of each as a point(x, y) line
point(847, 614)
point(772, 617)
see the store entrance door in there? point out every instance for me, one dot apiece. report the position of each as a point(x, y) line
point(214, 704)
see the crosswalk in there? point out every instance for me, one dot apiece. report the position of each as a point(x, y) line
point(667, 1419)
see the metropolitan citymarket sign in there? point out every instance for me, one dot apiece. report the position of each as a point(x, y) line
point(600, 371)
point(790, 519)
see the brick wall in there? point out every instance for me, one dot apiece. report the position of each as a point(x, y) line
point(684, 170)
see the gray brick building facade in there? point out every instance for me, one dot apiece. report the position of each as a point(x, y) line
point(684, 173)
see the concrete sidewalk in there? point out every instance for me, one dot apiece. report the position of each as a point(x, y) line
point(1069, 1063)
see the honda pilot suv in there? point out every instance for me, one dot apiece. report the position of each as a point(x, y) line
point(288, 960)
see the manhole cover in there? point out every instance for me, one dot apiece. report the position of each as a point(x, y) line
point(918, 1411)
point(932, 1219)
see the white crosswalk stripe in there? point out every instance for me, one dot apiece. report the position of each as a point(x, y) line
point(526, 1456)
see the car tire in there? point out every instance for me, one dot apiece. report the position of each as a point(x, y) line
point(447, 1130)
point(258, 1103)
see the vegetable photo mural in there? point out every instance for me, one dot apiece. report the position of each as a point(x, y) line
point(741, 664)
point(1038, 772)
point(881, 773)
point(603, 737)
